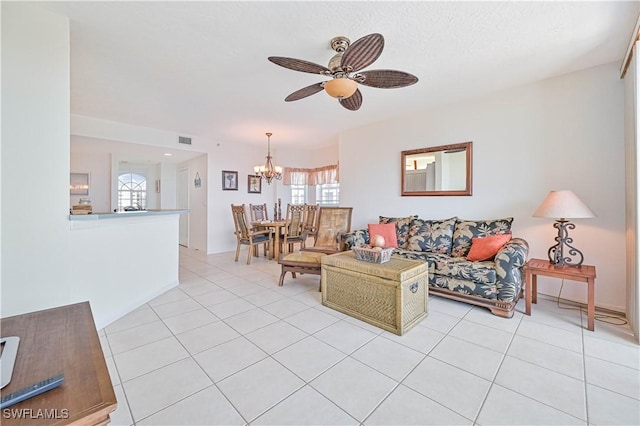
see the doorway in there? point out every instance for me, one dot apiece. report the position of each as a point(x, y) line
point(182, 202)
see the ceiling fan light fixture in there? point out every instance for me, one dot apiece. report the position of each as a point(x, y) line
point(340, 87)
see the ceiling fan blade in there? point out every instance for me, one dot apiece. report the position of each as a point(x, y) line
point(304, 92)
point(387, 79)
point(298, 65)
point(363, 52)
point(353, 102)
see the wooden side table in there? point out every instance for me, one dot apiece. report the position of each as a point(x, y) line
point(583, 273)
point(53, 341)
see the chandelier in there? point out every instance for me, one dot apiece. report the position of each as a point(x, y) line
point(268, 171)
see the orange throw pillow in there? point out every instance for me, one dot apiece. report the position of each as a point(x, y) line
point(486, 248)
point(388, 232)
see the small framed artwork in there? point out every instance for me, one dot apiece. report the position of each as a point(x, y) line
point(254, 184)
point(79, 184)
point(229, 180)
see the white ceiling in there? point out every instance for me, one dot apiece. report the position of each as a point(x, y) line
point(200, 68)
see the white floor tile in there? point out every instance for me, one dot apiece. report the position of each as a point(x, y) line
point(229, 358)
point(259, 387)
point(618, 353)
point(305, 407)
point(285, 308)
point(557, 318)
point(144, 359)
point(610, 408)
point(548, 356)
point(407, 407)
point(214, 297)
point(311, 297)
point(344, 336)
point(439, 321)
point(309, 357)
point(132, 319)
point(122, 415)
point(249, 321)
point(230, 308)
point(137, 336)
point(389, 358)
point(538, 383)
point(457, 390)
point(246, 289)
point(264, 297)
point(169, 385)
point(113, 371)
point(207, 407)
point(190, 320)
point(354, 387)
point(552, 335)
point(614, 377)
point(421, 339)
point(207, 336)
point(468, 356)
point(171, 309)
point(448, 307)
point(485, 317)
point(505, 407)
point(276, 336)
point(172, 295)
point(311, 320)
point(490, 338)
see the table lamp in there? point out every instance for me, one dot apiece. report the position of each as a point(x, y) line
point(563, 205)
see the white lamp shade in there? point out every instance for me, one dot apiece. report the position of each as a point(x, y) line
point(563, 204)
point(340, 87)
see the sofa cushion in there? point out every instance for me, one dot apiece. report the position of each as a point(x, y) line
point(357, 238)
point(462, 269)
point(485, 248)
point(388, 231)
point(466, 230)
point(486, 291)
point(402, 223)
point(433, 236)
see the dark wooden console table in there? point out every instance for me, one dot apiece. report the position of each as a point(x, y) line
point(53, 341)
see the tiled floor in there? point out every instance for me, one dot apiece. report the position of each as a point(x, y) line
point(228, 346)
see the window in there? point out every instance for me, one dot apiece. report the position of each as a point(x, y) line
point(298, 194)
point(328, 194)
point(132, 192)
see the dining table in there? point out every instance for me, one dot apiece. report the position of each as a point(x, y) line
point(276, 226)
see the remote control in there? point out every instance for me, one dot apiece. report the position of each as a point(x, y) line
point(31, 391)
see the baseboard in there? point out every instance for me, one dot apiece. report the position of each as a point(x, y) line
point(576, 303)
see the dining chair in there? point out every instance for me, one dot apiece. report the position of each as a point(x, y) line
point(332, 223)
point(310, 219)
point(258, 213)
point(293, 228)
point(245, 234)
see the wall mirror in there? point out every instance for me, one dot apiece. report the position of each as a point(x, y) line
point(438, 170)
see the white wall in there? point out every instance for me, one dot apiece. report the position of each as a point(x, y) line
point(561, 133)
point(98, 165)
point(197, 202)
point(35, 159)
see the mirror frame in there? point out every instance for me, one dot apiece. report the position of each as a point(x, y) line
point(468, 146)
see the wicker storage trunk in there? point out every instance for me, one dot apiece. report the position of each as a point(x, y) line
point(391, 295)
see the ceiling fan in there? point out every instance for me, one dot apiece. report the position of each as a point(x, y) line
point(344, 69)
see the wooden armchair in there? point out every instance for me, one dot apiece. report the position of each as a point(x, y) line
point(311, 219)
point(259, 213)
point(332, 223)
point(293, 228)
point(245, 234)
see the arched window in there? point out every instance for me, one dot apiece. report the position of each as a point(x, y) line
point(132, 191)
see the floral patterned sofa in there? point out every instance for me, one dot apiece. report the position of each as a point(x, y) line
point(495, 283)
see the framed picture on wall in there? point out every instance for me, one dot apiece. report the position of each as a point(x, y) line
point(79, 184)
point(229, 180)
point(254, 184)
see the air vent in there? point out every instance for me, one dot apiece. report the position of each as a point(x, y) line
point(185, 140)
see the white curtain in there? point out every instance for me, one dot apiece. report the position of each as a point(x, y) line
point(311, 177)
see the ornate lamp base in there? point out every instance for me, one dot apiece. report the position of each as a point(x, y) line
point(557, 252)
